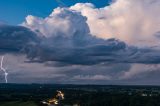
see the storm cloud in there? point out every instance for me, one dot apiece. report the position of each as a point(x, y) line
point(67, 39)
point(117, 44)
point(15, 38)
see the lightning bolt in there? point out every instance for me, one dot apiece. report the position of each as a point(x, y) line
point(4, 70)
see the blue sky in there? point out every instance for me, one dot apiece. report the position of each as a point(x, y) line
point(14, 11)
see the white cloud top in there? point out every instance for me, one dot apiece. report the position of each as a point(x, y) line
point(133, 21)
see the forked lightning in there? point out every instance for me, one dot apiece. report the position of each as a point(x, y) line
point(4, 70)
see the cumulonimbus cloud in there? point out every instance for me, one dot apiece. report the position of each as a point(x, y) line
point(83, 35)
point(68, 35)
point(133, 21)
point(65, 37)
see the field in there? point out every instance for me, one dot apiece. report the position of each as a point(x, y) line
point(17, 103)
point(83, 95)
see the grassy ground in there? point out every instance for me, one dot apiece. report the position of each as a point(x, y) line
point(29, 103)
